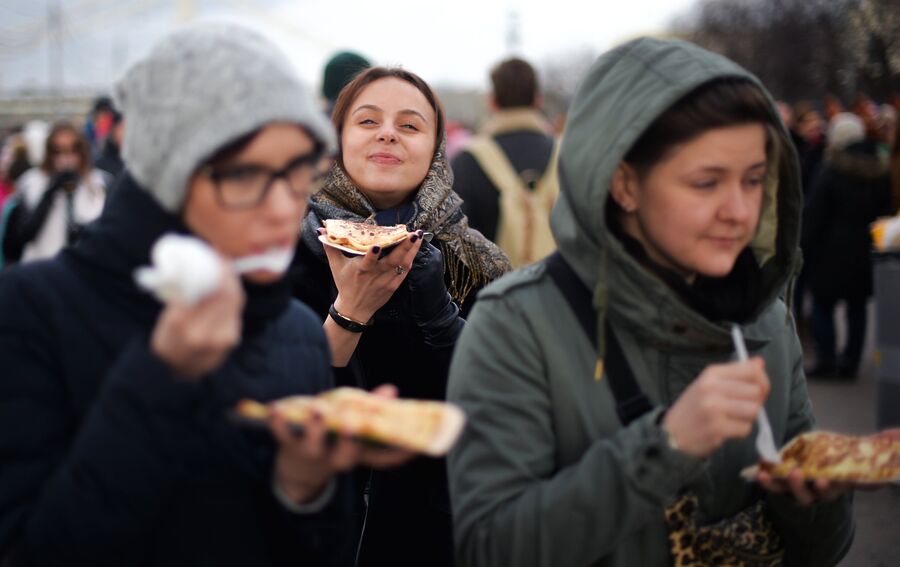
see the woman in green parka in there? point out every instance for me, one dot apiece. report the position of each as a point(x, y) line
point(678, 218)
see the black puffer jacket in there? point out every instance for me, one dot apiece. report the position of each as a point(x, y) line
point(851, 190)
point(409, 520)
point(106, 458)
point(110, 160)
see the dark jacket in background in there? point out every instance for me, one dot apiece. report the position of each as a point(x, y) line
point(810, 159)
point(528, 152)
point(408, 520)
point(106, 458)
point(850, 191)
point(110, 160)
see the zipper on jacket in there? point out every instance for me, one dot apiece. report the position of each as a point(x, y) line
point(362, 532)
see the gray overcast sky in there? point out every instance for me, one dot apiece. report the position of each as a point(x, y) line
point(448, 42)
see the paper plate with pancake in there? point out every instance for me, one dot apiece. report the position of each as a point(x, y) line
point(359, 237)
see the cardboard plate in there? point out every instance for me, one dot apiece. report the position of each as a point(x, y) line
point(386, 250)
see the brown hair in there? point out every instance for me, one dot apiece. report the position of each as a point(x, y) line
point(515, 83)
point(351, 91)
point(81, 146)
point(716, 104)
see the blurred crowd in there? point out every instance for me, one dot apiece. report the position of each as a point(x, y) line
point(850, 171)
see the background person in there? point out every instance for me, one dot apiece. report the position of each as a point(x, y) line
point(850, 192)
point(109, 159)
point(516, 139)
point(56, 200)
point(342, 68)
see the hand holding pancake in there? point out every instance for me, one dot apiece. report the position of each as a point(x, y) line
point(303, 465)
point(366, 283)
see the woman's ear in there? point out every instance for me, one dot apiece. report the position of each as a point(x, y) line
point(624, 187)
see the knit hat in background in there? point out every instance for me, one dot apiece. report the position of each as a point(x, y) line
point(887, 116)
point(339, 71)
point(199, 89)
point(844, 129)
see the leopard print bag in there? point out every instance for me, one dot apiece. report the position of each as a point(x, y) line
point(748, 539)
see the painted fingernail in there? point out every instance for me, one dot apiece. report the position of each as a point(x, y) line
point(376, 249)
point(420, 232)
point(414, 238)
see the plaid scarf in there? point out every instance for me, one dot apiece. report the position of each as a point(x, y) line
point(436, 209)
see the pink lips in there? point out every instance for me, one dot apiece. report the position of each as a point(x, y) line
point(724, 242)
point(384, 158)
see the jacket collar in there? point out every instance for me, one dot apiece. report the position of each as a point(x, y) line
point(516, 120)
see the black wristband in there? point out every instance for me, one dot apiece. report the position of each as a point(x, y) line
point(345, 322)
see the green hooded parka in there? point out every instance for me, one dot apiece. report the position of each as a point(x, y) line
point(545, 474)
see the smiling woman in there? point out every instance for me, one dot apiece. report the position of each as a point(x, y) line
point(396, 318)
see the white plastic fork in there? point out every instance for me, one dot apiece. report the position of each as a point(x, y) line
point(765, 440)
point(276, 260)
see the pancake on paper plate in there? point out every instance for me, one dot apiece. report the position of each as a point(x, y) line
point(360, 237)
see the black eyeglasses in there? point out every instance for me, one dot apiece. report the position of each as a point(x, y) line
point(241, 187)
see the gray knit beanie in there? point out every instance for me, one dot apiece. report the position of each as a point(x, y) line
point(199, 89)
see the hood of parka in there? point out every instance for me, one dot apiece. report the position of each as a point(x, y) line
point(623, 93)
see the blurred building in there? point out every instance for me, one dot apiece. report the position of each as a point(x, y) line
point(17, 109)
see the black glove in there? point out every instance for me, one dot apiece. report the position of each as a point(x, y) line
point(433, 309)
point(67, 180)
point(30, 222)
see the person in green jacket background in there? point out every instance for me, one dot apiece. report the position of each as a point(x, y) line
point(679, 213)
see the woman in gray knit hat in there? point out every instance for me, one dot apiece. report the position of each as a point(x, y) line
point(115, 440)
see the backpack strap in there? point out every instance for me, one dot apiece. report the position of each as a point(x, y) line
point(493, 161)
point(631, 402)
point(523, 228)
point(547, 186)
